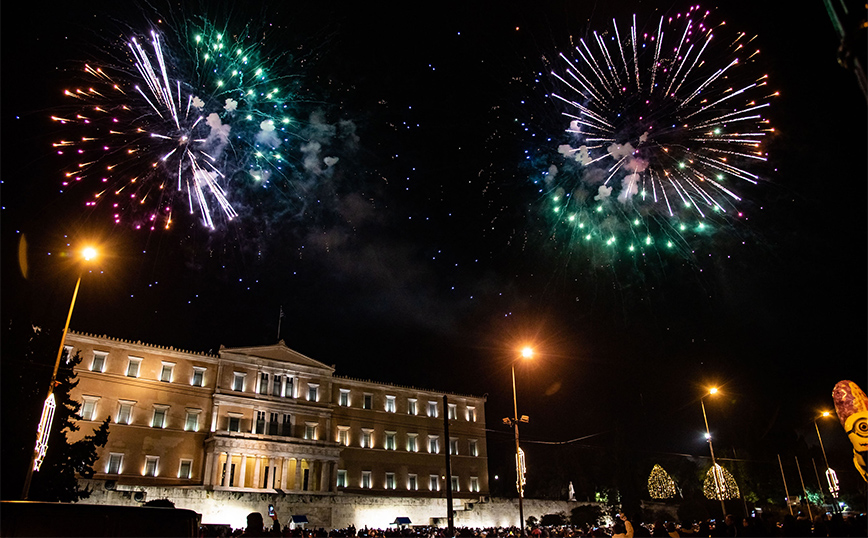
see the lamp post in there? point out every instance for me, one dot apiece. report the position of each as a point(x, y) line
point(526, 353)
point(718, 486)
point(831, 477)
point(48, 407)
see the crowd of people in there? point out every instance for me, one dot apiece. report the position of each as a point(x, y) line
point(833, 525)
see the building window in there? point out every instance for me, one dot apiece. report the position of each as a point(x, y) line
point(411, 406)
point(344, 398)
point(276, 385)
point(432, 409)
point(390, 440)
point(125, 412)
point(263, 383)
point(234, 423)
point(434, 482)
point(453, 446)
point(191, 424)
point(390, 480)
point(289, 391)
point(342, 478)
point(412, 482)
point(274, 424)
point(474, 484)
point(369, 401)
point(159, 418)
point(133, 367)
point(412, 442)
point(99, 360)
point(312, 392)
point(198, 379)
point(474, 447)
point(259, 423)
point(286, 428)
point(151, 466)
point(185, 470)
point(471, 414)
point(115, 463)
point(433, 444)
point(452, 409)
point(166, 372)
point(310, 430)
point(344, 435)
point(454, 483)
point(390, 404)
point(366, 479)
point(367, 440)
point(88, 407)
point(238, 381)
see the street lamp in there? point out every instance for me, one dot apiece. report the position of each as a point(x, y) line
point(718, 479)
point(526, 353)
point(44, 429)
point(831, 477)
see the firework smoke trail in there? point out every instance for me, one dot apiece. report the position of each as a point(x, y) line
point(662, 132)
point(183, 121)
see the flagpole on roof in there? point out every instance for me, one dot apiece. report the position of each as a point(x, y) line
point(279, 319)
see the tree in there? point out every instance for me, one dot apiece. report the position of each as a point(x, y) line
point(30, 365)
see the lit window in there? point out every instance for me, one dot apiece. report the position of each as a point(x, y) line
point(367, 440)
point(412, 482)
point(390, 480)
point(134, 366)
point(369, 401)
point(473, 447)
point(366, 479)
point(115, 463)
point(344, 435)
point(198, 379)
point(344, 398)
point(125, 412)
point(453, 447)
point(310, 430)
point(166, 372)
point(289, 391)
point(99, 360)
point(471, 414)
point(412, 442)
point(191, 424)
point(312, 392)
point(238, 381)
point(159, 419)
point(453, 411)
point(432, 409)
point(411, 406)
point(433, 444)
point(474, 484)
point(390, 440)
point(88, 407)
point(151, 466)
point(390, 404)
point(185, 470)
point(454, 483)
point(263, 383)
point(342, 478)
point(433, 482)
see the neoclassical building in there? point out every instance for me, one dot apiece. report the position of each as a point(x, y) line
point(269, 419)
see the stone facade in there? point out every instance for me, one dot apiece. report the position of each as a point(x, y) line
point(268, 420)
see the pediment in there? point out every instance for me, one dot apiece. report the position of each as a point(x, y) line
point(277, 352)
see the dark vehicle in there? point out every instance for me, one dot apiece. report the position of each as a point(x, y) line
point(25, 518)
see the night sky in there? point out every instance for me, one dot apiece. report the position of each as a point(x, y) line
point(421, 257)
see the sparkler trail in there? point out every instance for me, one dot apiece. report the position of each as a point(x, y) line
point(181, 120)
point(665, 128)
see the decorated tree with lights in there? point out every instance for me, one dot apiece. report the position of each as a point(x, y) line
point(660, 484)
point(720, 484)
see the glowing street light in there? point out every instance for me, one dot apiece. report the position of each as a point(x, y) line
point(526, 353)
point(718, 478)
point(831, 477)
point(44, 429)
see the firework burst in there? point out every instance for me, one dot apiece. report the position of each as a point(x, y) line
point(174, 125)
point(665, 127)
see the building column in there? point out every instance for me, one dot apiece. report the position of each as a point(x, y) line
point(272, 474)
point(257, 467)
point(208, 473)
point(243, 472)
point(284, 468)
point(298, 484)
point(215, 475)
point(325, 475)
point(228, 473)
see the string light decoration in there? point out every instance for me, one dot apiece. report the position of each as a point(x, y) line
point(720, 484)
point(660, 484)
